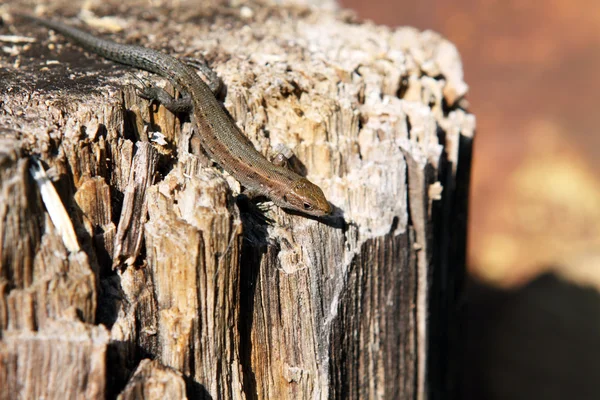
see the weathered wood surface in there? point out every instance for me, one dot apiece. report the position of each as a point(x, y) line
point(171, 267)
point(153, 381)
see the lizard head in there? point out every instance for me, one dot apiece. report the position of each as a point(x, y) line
point(308, 198)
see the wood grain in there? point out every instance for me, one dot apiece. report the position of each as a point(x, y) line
point(237, 303)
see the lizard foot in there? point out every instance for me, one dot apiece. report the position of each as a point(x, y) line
point(285, 158)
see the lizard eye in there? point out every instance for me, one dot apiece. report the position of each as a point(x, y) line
point(307, 206)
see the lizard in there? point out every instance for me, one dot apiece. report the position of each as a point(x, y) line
point(220, 137)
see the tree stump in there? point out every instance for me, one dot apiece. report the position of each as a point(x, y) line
point(119, 245)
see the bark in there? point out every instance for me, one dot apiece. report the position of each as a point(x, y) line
point(169, 263)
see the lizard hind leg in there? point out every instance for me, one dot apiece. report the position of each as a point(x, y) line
point(160, 95)
point(154, 93)
point(208, 75)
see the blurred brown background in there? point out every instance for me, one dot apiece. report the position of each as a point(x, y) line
point(532, 68)
point(531, 326)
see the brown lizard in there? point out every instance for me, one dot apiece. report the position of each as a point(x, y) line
point(219, 135)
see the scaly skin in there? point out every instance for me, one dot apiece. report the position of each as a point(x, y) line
point(219, 135)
